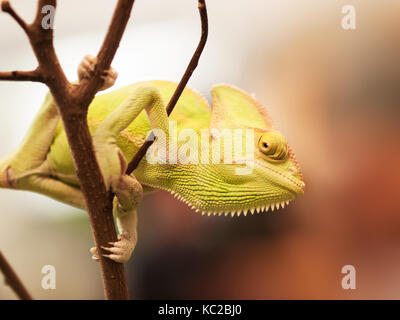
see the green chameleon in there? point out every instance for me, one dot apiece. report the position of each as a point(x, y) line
point(120, 122)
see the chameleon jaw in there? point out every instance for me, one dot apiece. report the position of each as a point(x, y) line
point(257, 209)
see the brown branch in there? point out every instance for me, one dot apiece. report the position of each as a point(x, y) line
point(33, 75)
point(13, 280)
point(108, 49)
point(73, 102)
point(6, 7)
point(181, 86)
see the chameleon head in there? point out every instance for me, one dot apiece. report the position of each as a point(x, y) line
point(276, 160)
point(269, 179)
point(274, 177)
point(267, 182)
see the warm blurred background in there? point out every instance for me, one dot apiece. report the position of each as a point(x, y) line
point(334, 93)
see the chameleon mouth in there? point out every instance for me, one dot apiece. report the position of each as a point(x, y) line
point(236, 212)
point(296, 184)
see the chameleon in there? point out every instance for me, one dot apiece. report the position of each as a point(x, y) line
point(120, 121)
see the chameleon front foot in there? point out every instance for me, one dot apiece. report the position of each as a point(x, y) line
point(120, 251)
point(86, 69)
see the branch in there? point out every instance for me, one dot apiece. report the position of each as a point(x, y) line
point(73, 102)
point(6, 7)
point(13, 280)
point(33, 75)
point(181, 86)
point(108, 49)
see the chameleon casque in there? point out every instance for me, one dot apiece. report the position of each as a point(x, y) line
point(120, 122)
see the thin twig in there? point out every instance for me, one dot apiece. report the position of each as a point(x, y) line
point(108, 49)
point(181, 86)
point(13, 280)
point(6, 7)
point(33, 75)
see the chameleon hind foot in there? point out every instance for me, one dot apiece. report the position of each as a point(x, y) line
point(86, 69)
point(120, 251)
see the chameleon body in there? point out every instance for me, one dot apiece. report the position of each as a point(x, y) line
point(120, 122)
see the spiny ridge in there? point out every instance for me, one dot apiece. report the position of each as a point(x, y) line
point(232, 213)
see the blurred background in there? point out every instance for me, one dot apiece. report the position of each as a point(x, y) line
point(335, 95)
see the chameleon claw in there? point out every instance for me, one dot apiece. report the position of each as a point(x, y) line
point(95, 254)
point(109, 77)
point(89, 62)
point(113, 249)
point(116, 258)
point(117, 244)
point(121, 250)
point(87, 67)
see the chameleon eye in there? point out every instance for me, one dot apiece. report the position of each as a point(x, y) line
point(264, 145)
point(273, 145)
